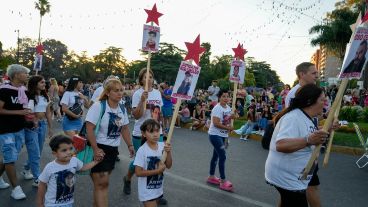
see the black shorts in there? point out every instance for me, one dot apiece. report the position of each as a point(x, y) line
point(108, 162)
point(292, 198)
point(315, 179)
point(161, 196)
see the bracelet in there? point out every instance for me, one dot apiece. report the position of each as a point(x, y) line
point(307, 140)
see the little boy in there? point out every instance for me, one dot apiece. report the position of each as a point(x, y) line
point(56, 186)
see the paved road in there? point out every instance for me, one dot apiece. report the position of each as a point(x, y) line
point(343, 184)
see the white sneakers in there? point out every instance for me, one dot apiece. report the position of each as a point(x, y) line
point(3, 184)
point(17, 193)
point(35, 183)
point(27, 174)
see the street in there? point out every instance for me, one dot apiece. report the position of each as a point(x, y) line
point(342, 183)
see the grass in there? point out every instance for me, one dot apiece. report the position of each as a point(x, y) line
point(343, 137)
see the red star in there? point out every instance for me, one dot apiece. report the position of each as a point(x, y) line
point(39, 49)
point(153, 15)
point(194, 50)
point(239, 52)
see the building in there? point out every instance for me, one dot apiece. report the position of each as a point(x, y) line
point(327, 64)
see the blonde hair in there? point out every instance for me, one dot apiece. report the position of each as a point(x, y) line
point(110, 85)
point(53, 82)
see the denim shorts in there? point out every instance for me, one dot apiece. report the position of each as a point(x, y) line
point(72, 125)
point(10, 145)
point(167, 111)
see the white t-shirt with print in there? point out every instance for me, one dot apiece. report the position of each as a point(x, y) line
point(97, 93)
point(111, 123)
point(60, 180)
point(70, 98)
point(224, 115)
point(149, 187)
point(153, 109)
point(291, 94)
point(285, 169)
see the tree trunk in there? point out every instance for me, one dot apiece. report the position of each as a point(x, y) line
point(39, 31)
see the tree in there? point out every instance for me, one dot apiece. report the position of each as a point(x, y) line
point(81, 65)
point(336, 32)
point(55, 58)
point(43, 6)
point(264, 76)
point(110, 61)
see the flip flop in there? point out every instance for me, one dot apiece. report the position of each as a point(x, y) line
point(214, 180)
point(226, 186)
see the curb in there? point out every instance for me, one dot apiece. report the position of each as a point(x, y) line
point(335, 148)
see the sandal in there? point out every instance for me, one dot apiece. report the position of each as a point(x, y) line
point(214, 180)
point(226, 186)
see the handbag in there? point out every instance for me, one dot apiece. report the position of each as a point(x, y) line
point(75, 109)
point(85, 153)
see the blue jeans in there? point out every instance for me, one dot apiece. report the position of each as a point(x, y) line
point(263, 122)
point(247, 128)
point(219, 154)
point(35, 139)
point(10, 145)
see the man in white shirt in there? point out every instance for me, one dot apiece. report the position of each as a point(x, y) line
point(213, 90)
point(307, 74)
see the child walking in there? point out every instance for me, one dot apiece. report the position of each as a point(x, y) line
point(56, 182)
point(148, 166)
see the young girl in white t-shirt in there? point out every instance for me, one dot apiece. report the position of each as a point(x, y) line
point(148, 166)
point(218, 133)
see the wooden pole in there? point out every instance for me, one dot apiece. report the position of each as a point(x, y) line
point(171, 129)
point(148, 69)
point(234, 101)
point(329, 145)
point(326, 125)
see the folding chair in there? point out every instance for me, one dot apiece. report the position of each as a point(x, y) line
point(364, 144)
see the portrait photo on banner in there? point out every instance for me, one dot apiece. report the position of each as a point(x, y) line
point(356, 55)
point(37, 62)
point(237, 71)
point(186, 81)
point(151, 38)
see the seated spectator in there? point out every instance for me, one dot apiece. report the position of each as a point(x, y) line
point(239, 108)
point(265, 118)
point(248, 127)
point(184, 116)
point(199, 117)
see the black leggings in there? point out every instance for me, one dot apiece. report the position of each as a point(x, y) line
point(292, 198)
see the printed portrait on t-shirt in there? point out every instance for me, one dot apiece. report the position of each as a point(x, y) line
point(115, 126)
point(226, 120)
point(64, 186)
point(154, 181)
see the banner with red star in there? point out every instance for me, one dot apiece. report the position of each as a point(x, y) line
point(153, 15)
point(194, 50)
point(239, 52)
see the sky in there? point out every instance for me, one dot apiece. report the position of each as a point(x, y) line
point(275, 31)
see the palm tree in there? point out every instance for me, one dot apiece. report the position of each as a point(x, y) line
point(44, 7)
point(335, 33)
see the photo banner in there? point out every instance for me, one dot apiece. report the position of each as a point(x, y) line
point(151, 38)
point(356, 55)
point(237, 71)
point(38, 62)
point(186, 81)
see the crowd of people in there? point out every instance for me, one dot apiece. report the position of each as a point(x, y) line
point(28, 105)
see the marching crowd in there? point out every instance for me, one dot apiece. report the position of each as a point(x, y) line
point(28, 105)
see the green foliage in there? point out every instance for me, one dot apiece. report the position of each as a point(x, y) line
point(350, 114)
point(264, 76)
point(335, 32)
point(364, 115)
point(110, 61)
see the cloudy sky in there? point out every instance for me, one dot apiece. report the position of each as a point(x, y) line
point(275, 31)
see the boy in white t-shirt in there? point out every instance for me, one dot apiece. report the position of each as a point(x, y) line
point(148, 166)
point(56, 182)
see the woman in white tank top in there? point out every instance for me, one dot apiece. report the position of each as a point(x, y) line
point(35, 133)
